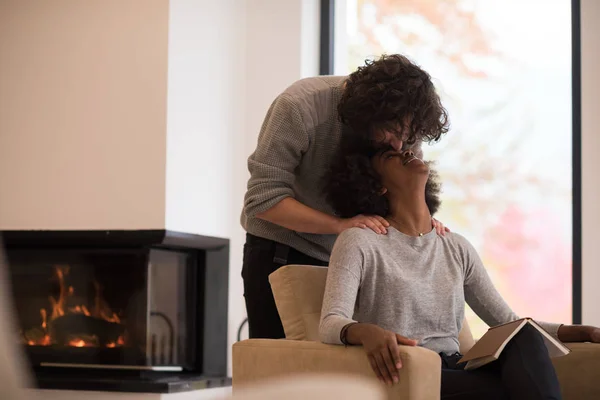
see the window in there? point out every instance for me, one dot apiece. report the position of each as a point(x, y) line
point(503, 70)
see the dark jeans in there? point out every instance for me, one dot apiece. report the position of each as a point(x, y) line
point(523, 371)
point(261, 258)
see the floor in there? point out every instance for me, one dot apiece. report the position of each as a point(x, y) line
point(205, 394)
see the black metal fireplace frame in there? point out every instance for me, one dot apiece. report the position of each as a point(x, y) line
point(211, 262)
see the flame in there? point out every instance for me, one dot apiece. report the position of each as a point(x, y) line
point(44, 315)
point(77, 343)
point(80, 310)
point(58, 306)
point(46, 341)
point(113, 318)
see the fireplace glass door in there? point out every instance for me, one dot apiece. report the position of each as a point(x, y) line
point(129, 309)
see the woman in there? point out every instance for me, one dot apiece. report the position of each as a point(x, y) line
point(285, 214)
point(409, 287)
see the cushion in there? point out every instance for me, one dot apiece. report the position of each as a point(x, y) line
point(298, 291)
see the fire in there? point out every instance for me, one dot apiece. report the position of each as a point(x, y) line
point(120, 342)
point(100, 310)
point(77, 343)
point(80, 310)
point(44, 315)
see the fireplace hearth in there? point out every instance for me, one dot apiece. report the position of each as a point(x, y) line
point(142, 311)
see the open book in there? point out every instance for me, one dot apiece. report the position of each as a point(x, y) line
point(490, 346)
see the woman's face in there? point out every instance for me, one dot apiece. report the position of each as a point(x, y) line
point(400, 170)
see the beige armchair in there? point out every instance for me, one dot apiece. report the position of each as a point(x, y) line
point(298, 292)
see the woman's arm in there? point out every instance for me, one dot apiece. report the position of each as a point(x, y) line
point(481, 294)
point(484, 299)
point(578, 333)
point(341, 291)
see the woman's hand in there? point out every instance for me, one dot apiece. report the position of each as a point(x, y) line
point(382, 349)
point(439, 227)
point(595, 335)
point(374, 222)
point(578, 333)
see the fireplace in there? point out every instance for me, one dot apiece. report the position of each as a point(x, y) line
point(142, 307)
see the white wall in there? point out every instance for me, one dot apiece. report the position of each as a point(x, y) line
point(205, 119)
point(115, 116)
point(590, 83)
point(82, 114)
point(281, 46)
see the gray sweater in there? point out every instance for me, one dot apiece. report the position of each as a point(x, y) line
point(297, 141)
point(414, 286)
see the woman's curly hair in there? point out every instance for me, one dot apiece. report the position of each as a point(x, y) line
point(385, 93)
point(353, 187)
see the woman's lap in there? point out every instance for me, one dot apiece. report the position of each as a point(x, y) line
point(523, 371)
point(471, 385)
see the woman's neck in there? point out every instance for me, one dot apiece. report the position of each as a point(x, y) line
point(410, 215)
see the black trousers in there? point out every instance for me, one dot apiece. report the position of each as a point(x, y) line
point(261, 258)
point(523, 371)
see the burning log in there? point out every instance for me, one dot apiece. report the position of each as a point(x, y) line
point(68, 329)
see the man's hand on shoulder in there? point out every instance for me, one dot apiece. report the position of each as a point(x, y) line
point(375, 223)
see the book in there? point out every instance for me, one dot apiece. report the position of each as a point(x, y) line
point(491, 345)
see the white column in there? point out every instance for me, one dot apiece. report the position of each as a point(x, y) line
point(82, 114)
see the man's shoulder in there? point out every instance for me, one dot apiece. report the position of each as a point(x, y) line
point(315, 99)
point(314, 86)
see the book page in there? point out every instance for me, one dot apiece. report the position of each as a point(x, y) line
point(489, 347)
point(555, 347)
point(494, 340)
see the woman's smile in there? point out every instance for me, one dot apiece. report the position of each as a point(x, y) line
point(411, 159)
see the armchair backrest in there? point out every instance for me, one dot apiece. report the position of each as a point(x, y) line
point(298, 292)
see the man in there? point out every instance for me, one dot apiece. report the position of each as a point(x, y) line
point(288, 221)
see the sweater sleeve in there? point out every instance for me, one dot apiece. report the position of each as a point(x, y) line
point(343, 281)
point(481, 294)
point(282, 141)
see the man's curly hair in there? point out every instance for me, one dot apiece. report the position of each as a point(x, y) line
point(353, 187)
point(385, 93)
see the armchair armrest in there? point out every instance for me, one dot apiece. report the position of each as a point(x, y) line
point(261, 359)
point(578, 371)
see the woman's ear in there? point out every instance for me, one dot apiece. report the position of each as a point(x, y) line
point(382, 191)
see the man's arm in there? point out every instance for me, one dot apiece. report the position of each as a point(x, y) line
point(281, 144)
point(293, 215)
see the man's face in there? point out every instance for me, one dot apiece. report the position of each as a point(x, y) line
point(391, 139)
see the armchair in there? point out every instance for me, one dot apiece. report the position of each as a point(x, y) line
point(298, 292)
